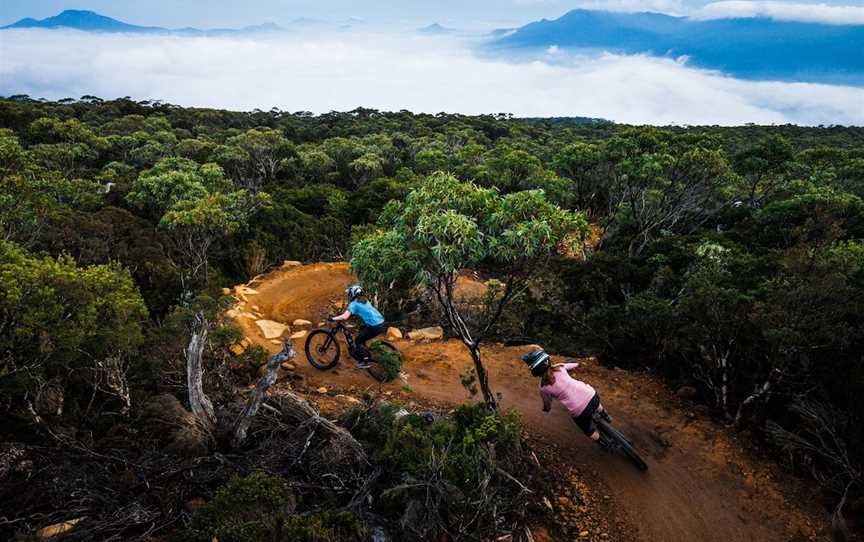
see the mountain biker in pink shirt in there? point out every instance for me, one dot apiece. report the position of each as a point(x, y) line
point(580, 399)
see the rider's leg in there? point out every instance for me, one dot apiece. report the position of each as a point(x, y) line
point(361, 353)
point(603, 413)
point(601, 440)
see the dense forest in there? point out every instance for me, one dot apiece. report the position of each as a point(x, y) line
point(729, 261)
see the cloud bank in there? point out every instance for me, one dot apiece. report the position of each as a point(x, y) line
point(783, 11)
point(725, 9)
point(389, 72)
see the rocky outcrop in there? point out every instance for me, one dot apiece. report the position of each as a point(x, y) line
point(271, 329)
point(57, 529)
point(435, 333)
point(166, 420)
point(393, 333)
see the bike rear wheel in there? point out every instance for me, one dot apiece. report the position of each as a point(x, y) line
point(621, 442)
point(322, 349)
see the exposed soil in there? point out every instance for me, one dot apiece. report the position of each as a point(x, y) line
point(702, 483)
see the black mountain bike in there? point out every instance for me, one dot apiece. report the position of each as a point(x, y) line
point(619, 442)
point(323, 349)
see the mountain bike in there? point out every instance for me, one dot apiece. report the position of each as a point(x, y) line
point(619, 442)
point(323, 349)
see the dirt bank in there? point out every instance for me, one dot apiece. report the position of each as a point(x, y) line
point(700, 486)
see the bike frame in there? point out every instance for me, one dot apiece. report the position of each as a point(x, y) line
point(349, 337)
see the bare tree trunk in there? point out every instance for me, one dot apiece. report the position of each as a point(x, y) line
point(760, 392)
point(461, 328)
point(201, 406)
point(244, 420)
point(482, 377)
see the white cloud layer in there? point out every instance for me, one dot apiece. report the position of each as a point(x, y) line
point(425, 74)
point(783, 11)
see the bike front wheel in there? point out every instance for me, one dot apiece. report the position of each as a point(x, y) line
point(622, 443)
point(322, 349)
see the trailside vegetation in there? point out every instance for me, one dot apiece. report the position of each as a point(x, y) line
point(729, 261)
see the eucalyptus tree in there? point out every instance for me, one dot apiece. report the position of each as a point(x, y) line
point(444, 226)
point(197, 204)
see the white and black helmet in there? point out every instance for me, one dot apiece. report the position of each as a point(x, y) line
point(537, 361)
point(354, 291)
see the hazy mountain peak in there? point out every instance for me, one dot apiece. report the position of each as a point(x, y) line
point(748, 47)
point(436, 28)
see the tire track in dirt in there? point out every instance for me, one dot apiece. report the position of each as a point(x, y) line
point(700, 485)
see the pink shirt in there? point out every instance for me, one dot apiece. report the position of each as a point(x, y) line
point(573, 394)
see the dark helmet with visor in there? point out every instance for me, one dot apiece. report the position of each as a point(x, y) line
point(538, 361)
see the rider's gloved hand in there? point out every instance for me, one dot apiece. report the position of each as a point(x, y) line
point(331, 319)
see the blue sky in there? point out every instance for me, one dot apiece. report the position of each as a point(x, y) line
point(215, 13)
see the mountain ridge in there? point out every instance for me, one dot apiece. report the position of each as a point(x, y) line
point(749, 48)
point(91, 21)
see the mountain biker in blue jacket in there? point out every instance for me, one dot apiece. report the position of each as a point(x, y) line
point(373, 322)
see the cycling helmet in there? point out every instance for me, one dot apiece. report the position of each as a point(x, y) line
point(537, 361)
point(354, 291)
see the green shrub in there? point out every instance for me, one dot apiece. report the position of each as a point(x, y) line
point(459, 447)
point(258, 507)
point(388, 359)
point(328, 526)
point(245, 509)
point(225, 335)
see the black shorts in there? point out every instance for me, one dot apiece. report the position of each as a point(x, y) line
point(585, 421)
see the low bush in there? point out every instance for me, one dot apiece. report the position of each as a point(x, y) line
point(262, 507)
point(450, 474)
point(388, 359)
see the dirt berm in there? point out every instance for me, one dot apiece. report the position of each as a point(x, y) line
point(701, 484)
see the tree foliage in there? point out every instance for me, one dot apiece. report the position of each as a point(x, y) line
point(444, 226)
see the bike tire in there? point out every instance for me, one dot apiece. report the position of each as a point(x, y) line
point(628, 449)
point(375, 370)
point(314, 353)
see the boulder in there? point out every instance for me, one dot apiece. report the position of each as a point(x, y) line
point(288, 264)
point(226, 291)
point(271, 329)
point(57, 529)
point(427, 334)
point(348, 399)
point(301, 323)
point(245, 290)
point(322, 390)
point(393, 333)
point(299, 335)
point(232, 313)
point(165, 419)
point(275, 341)
point(288, 366)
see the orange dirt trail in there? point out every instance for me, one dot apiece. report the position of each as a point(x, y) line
point(700, 485)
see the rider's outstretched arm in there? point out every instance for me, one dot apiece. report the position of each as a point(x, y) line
point(547, 401)
point(342, 317)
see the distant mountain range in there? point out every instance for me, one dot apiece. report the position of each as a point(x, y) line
point(436, 29)
point(89, 21)
point(750, 48)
